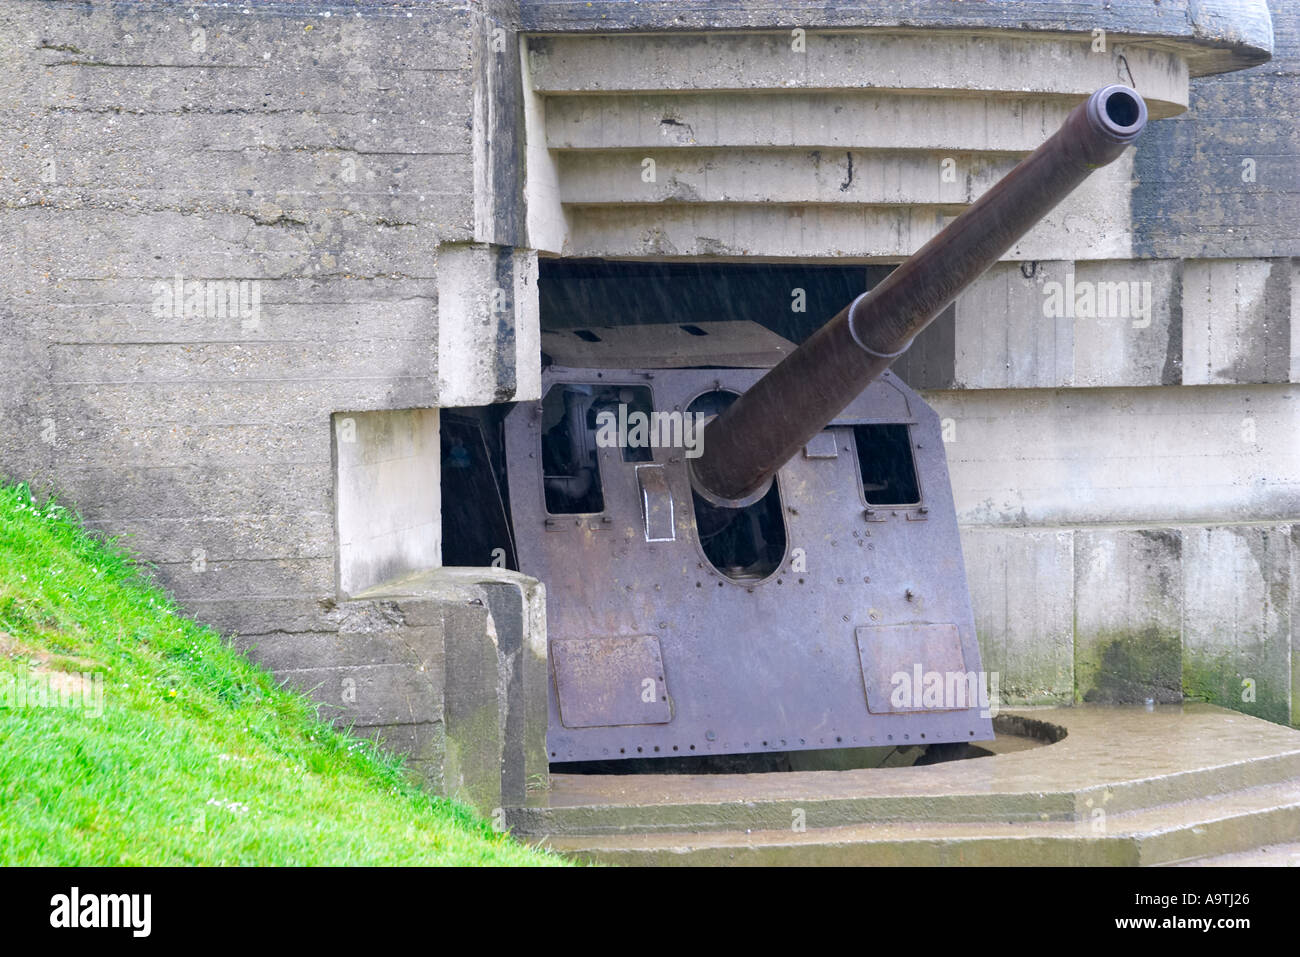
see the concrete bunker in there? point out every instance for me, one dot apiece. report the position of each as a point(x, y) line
point(653, 141)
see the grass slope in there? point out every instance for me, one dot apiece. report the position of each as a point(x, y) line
point(197, 757)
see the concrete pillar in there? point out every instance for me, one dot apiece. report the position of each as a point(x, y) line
point(488, 682)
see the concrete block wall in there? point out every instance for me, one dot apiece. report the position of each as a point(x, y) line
point(1136, 476)
point(1106, 471)
point(447, 667)
point(250, 250)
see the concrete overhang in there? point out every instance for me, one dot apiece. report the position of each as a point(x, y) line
point(672, 130)
point(1212, 36)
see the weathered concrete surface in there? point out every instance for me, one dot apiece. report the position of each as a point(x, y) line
point(1223, 179)
point(698, 175)
point(446, 667)
point(612, 103)
point(495, 679)
point(1059, 324)
point(1123, 786)
point(1117, 323)
point(875, 231)
point(864, 120)
point(381, 672)
point(387, 494)
point(545, 223)
point(489, 343)
point(1126, 614)
point(1214, 35)
point(1206, 748)
point(326, 164)
point(1137, 456)
point(1129, 616)
point(1214, 826)
point(662, 144)
point(1237, 321)
point(1021, 585)
point(1238, 640)
point(1001, 63)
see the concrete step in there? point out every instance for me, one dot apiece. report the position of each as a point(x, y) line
point(1120, 785)
point(1233, 823)
point(1270, 855)
point(845, 798)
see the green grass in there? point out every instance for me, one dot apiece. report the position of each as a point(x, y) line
point(197, 757)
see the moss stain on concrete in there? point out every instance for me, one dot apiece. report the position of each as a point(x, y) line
point(1129, 668)
point(1224, 681)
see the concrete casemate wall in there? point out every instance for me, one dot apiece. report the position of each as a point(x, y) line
point(240, 239)
point(1129, 484)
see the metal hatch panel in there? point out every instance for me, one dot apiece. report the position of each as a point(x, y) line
point(900, 664)
point(608, 682)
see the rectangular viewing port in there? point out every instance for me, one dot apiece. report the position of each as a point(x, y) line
point(570, 441)
point(886, 465)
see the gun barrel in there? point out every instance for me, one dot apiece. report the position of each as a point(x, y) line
point(745, 446)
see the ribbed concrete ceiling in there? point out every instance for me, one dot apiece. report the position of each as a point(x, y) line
point(843, 144)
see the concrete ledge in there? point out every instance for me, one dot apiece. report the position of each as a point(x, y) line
point(488, 332)
point(1137, 457)
point(1123, 786)
point(1214, 35)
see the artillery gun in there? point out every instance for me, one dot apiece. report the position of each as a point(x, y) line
point(791, 577)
